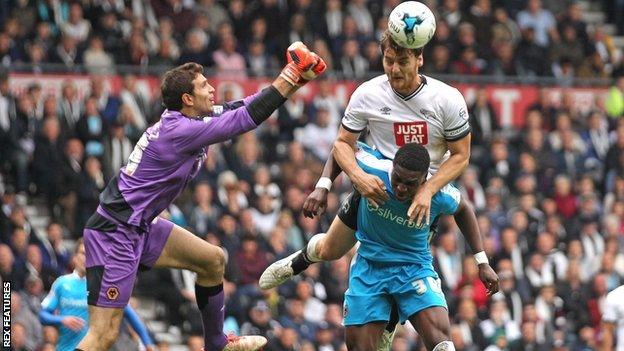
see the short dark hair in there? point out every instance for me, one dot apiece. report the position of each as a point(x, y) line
point(177, 82)
point(414, 157)
point(387, 42)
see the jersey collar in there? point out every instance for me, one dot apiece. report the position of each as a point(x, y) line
point(423, 81)
point(75, 273)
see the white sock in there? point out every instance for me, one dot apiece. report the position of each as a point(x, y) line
point(311, 247)
point(444, 346)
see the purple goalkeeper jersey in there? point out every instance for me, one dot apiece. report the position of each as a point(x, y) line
point(168, 155)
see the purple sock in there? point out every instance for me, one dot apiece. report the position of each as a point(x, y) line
point(210, 303)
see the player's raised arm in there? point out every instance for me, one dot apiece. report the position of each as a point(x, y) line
point(468, 225)
point(316, 202)
point(139, 327)
point(303, 66)
point(457, 135)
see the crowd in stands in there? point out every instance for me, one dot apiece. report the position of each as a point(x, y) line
point(247, 38)
point(549, 197)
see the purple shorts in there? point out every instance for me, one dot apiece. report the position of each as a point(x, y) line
point(115, 252)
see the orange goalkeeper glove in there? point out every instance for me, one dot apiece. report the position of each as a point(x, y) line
point(303, 65)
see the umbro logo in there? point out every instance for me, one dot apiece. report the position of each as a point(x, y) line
point(385, 110)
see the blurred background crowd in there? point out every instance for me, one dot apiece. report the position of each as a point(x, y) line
point(248, 38)
point(549, 196)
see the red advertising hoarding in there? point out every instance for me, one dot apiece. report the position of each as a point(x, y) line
point(509, 101)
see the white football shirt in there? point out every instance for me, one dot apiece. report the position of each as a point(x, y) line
point(614, 313)
point(432, 115)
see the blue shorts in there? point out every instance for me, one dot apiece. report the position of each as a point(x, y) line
point(374, 286)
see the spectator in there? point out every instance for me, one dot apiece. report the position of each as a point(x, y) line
point(136, 99)
point(295, 320)
point(554, 257)
point(287, 341)
point(228, 62)
point(9, 270)
point(54, 254)
point(531, 55)
point(67, 52)
point(22, 142)
point(35, 267)
point(318, 137)
point(451, 13)
point(541, 20)
point(505, 62)
point(71, 108)
point(549, 306)
point(47, 162)
point(538, 272)
point(195, 343)
point(18, 337)
point(259, 63)
point(570, 47)
point(575, 295)
point(470, 278)
point(468, 324)
point(203, 216)
point(251, 261)
point(528, 340)
point(196, 48)
point(260, 321)
point(91, 129)
point(117, 149)
point(71, 168)
point(504, 28)
point(76, 27)
point(613, 160)
point(565, 199)
point(449, 261)
point(593, 243)
point(313, 310)
point(483, 120)
point(23, 315)
point(96, 59)
point(499, 324)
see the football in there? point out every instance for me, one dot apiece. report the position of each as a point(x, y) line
point(411, 24)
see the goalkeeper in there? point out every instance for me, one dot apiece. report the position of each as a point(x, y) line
point(125, 233)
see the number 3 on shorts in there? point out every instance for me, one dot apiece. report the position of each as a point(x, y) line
point(434, 284)
point(420, 286)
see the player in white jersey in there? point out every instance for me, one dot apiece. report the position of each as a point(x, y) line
point(399, 107)
point(613, 321)
point(434, 115)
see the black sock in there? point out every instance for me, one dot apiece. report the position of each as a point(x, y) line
point(210, 301)
point(301, 262)
point(394, 318)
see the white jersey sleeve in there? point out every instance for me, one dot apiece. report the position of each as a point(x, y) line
point(614, 306)
point(455, 119)
point(355, 118)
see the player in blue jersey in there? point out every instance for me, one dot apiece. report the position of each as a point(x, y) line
point(66, 307)
point(126, 233)
point(398, 107)
point(394, 263)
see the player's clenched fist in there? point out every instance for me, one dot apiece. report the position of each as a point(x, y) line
point(303, 64)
